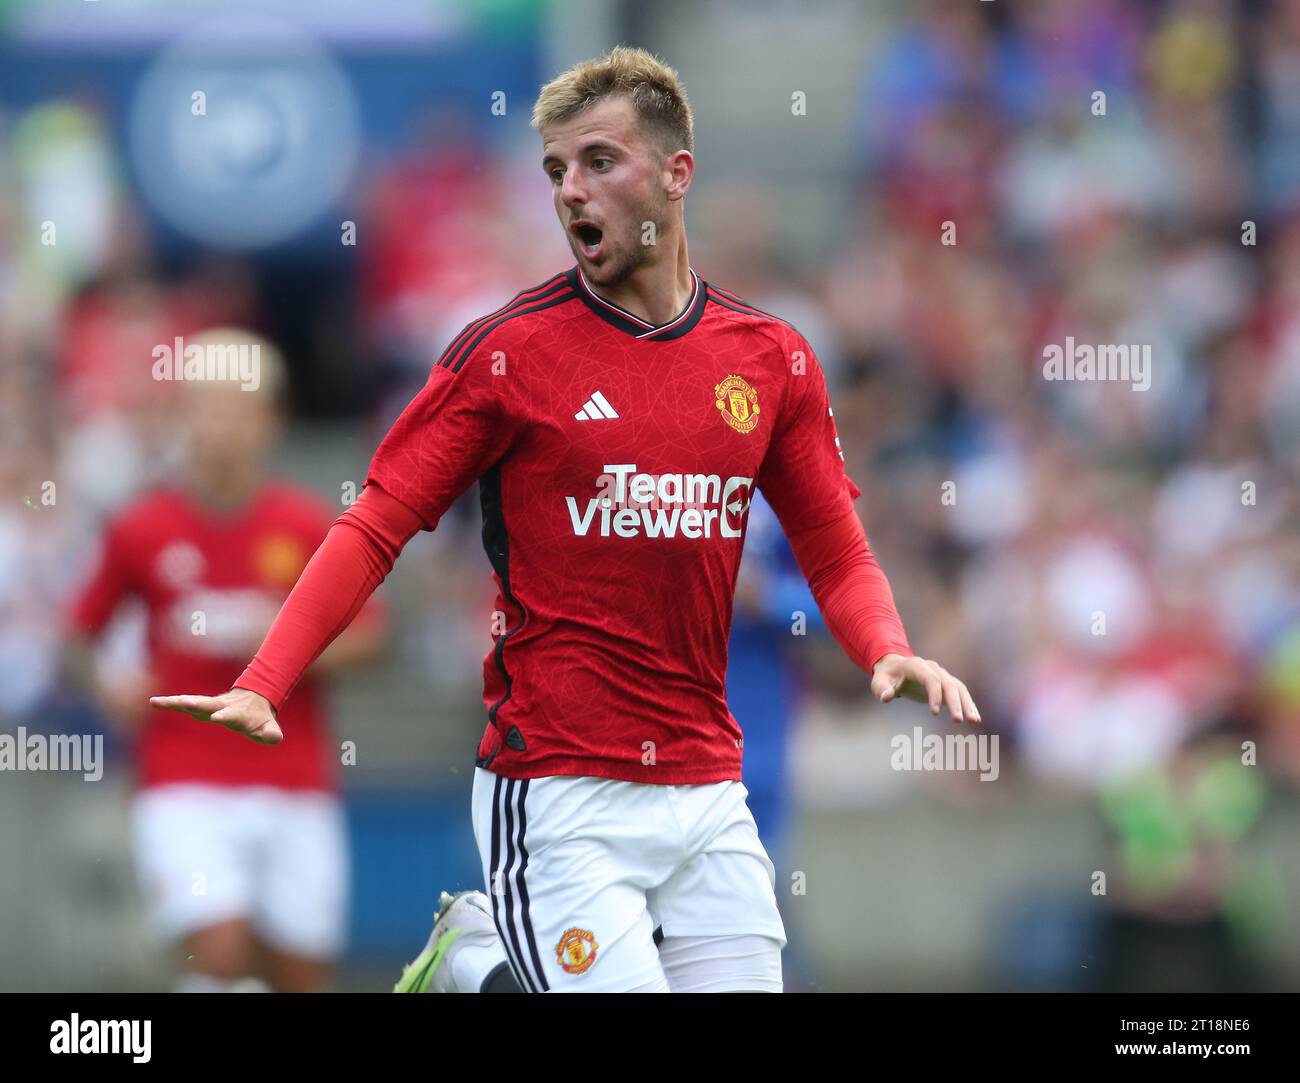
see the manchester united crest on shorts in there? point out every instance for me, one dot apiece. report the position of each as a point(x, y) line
point(576, 951)
point(738, 402)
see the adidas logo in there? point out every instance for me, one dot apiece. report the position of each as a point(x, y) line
point(596, 408)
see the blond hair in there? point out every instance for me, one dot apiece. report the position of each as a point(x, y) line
point(650, 85)
point(272, 373)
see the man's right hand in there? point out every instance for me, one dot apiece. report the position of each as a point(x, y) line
point(239, 710)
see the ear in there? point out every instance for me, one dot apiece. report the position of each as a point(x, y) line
point(681, 171)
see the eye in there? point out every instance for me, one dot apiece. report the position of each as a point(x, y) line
point(556, 174)
point(595, 162)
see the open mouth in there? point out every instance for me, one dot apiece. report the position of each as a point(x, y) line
point(589, 238)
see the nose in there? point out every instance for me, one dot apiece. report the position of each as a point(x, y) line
point(571, 189)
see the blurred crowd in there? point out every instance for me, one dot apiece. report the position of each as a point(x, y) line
point(1114, 572)
point(1117, 569)
point(1117, 565)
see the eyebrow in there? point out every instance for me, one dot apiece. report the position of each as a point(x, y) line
point(586, 149)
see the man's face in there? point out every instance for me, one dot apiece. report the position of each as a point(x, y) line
point(608, 180)
point(228, 428)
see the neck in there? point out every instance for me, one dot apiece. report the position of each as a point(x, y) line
point(221, 489)
point(656, 292)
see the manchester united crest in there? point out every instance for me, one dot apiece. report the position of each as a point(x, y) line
point(576, 951)
point(738, 402)
point(279, 560)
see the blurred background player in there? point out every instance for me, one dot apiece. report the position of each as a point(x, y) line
point(765, 689)
point(241, 853)
point(763, 678)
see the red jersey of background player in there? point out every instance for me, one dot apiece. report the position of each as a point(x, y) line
point(616, 462)
point(211, 583)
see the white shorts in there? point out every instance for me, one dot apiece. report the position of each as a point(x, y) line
point(582, 870)
point(207, 854)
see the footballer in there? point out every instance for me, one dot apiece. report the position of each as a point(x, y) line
point(241, 857)
point(618, 418)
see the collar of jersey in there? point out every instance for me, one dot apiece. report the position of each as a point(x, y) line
point(625, 321)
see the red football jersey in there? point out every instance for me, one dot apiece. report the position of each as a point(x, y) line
point(211, 585)
point(616, 462)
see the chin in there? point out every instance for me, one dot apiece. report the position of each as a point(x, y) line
point(596, 272)
point(610, 271)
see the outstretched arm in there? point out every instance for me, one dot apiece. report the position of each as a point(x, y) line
point(357, 554)
point(858, 607)
point(804, 480)
point(118, 690)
